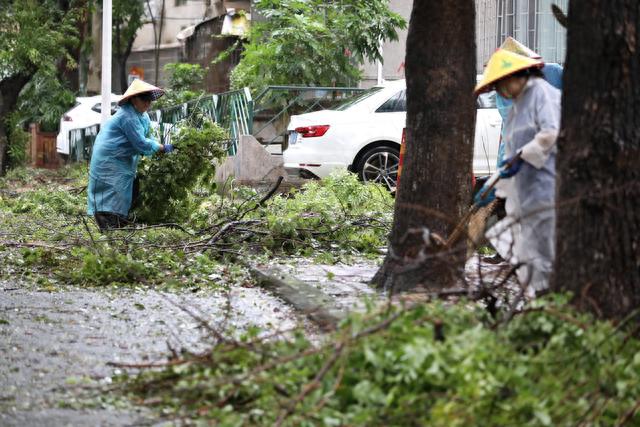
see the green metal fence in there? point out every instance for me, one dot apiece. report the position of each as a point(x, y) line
point(81, 143)
point(232, 111)
point(166, 119)
point(236, 111)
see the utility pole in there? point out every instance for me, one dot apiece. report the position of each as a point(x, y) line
point(105, 79)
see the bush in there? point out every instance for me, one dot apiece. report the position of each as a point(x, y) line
point(18, 140)
point(185, 82)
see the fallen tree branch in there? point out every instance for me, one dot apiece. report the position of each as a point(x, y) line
point(33, 245)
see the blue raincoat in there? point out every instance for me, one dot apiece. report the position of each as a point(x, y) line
point(116, 152)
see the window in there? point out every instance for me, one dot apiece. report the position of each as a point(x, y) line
point(98, 108)
point(397, 103)
point(361, 96)
point(180, 2)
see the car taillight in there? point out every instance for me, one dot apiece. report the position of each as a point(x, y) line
point(312, 131)
point(67, 118)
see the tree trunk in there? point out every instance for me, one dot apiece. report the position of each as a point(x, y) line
point(436, 179)
point(10, 88)
point(598, 162)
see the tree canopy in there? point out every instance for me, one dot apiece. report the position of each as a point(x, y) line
point(314, 42)
point(34, 35)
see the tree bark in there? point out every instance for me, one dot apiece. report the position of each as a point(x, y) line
point(436, 180)
point(598, 162)
point(10, 88)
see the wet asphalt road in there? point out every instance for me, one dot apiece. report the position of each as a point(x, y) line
point(53, 345)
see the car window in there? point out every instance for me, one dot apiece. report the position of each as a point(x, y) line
point(397, 103)
point(98, 107)
point(487, 100)
point(361, 96)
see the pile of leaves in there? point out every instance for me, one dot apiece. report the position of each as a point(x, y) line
point(329, 219)
point(166, 180)
point(433, 364)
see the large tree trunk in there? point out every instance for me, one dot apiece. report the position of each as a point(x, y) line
point(436, 179)
point(598, 163)
point(10, 88)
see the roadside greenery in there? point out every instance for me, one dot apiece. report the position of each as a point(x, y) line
point(36, 38)
point(47, 239)
point(18, 140)
point(434, 364)
point(313, 42)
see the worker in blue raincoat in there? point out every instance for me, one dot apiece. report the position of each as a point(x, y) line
point(121, 142)
point(531, 131)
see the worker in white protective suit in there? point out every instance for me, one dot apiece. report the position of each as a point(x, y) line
point(526, 237)
point(552, 73)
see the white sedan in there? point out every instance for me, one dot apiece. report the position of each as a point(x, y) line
point(87, 112)
point(364, 136)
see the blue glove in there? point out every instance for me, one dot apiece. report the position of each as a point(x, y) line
point(488, 198)
point(510, 171)
point(168, 148)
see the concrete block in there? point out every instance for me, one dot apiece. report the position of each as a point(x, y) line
point(253, 165)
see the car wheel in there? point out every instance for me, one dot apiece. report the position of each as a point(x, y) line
point(380, 164)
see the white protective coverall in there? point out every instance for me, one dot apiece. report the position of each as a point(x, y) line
point(526, 235)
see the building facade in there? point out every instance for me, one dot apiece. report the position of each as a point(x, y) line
point(529, 21)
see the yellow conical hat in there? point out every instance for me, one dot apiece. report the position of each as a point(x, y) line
point(502, 64)
point(513, 45)
point(137, 87)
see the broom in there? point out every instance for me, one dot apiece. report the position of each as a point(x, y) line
point(476, 217)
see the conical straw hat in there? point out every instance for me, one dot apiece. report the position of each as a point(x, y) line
point(137, 87)
point(513, 45)
point(503, 64)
